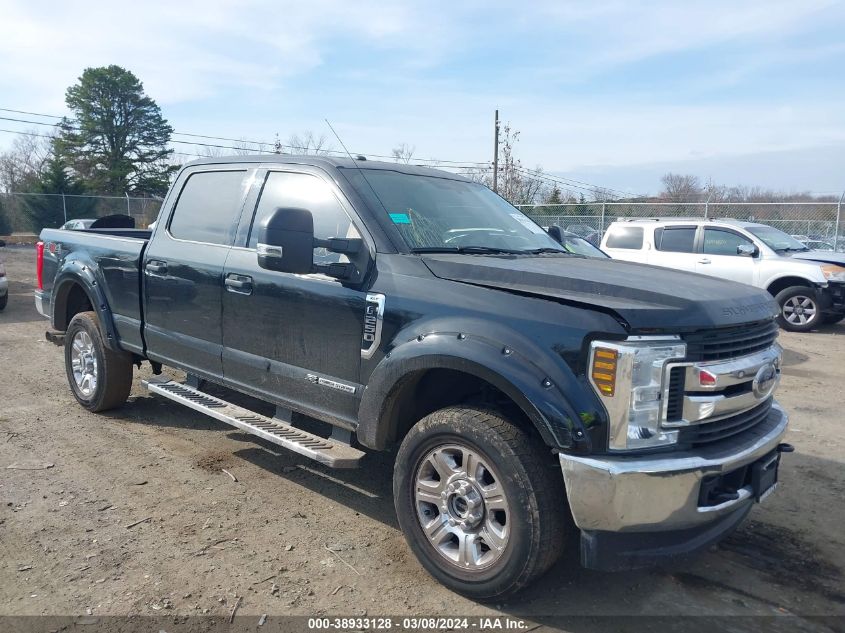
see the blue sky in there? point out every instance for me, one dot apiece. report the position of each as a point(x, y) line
point(613, 93)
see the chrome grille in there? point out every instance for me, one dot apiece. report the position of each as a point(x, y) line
point(717, 430)
point(726, 343)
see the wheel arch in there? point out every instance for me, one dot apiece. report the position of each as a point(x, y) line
point(419, 377)
point(76, 290)
point(782, 283)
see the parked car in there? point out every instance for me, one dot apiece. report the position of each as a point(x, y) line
point(809, 286)
point(528, 392)
point(573, 243)
point(586, 232)
point(4, 282)
point(77, 225)
point(818, 245)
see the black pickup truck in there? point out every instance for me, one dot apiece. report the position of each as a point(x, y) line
point(529, 393)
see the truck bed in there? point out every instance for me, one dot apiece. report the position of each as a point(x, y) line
point(109, 261)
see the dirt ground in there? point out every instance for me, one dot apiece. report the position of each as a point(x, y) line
point(292, 537)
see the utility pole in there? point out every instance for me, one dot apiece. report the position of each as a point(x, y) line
point(496, 154)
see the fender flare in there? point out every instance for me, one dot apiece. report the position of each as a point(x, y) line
point(540, 394)
point(82, 272)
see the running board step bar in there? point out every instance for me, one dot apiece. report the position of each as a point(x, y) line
point(334, 454)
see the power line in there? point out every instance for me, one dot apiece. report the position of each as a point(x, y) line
point(562, 180)
point(51, 116)
point(259, 149)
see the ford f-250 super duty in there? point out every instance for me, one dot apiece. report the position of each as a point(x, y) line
point(529, 392)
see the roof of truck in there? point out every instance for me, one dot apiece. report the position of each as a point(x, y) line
point(328, 162)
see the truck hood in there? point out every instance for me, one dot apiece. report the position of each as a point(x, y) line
point(645, 297)
point(823, 257)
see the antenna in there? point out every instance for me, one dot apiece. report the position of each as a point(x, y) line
point(355, 162)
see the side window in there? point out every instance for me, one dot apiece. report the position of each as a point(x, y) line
point(208, 206)
point(677, 240)
point(630, 237)
point(303, 191)
point(719, 242)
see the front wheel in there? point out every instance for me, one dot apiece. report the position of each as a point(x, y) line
point(799, 309)
point(3, 301)
point(479, 503)
point(99, 378)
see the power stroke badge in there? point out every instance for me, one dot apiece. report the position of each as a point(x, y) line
point(373, 317)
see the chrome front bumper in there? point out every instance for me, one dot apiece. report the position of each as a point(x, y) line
point(660, 492)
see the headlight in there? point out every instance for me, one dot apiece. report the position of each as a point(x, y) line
point(628, 377)
point(833, 273)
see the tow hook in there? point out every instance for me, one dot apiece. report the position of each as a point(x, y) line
point(785, 448)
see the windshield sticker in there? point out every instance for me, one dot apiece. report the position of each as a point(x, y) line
point(400, 218)
point(528, 224)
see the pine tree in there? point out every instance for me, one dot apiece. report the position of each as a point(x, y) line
point(117, 139)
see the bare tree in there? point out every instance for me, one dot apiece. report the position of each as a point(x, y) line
point(308, 143)
point(403, 153)
point(22, 165)
point(517, 184)
point(681, 187)
point(600, 194)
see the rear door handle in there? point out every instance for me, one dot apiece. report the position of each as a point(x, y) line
point(155, 266)
point(238, 283)
point(704, 261)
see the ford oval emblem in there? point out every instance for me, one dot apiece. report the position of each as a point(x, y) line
point(765, 381)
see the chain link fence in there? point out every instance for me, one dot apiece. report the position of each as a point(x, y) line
point(22, 212)
point(819, 222)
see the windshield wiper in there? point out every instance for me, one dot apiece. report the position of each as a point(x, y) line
point(470, 250)
point(547, 249)
point(791, 249)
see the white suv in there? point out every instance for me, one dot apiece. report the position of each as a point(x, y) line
point(808, 285)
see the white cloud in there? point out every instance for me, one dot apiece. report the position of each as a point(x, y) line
point(430, 74)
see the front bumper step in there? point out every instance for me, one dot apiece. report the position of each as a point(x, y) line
point(325, 451)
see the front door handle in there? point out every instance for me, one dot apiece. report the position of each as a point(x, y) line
point(157, 267)
point(704, 261)
point(238, 283)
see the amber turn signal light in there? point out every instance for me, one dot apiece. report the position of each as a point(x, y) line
point(603, 370)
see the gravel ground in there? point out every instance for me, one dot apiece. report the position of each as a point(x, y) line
point(136, 515)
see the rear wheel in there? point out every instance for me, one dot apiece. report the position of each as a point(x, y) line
point(479, 505)
point(4, 300)
point(99, 378)
point(799, 309)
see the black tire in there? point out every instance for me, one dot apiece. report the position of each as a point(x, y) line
point(795, 299)
point(533, 490)
point(4, 300)
point(112, 370)
point(831, 319)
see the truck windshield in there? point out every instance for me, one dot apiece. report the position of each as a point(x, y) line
point(775, 239)
point(434, 214)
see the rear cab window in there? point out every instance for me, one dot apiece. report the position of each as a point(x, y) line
point(209, 207)
point(627, 237)
point(675, 239)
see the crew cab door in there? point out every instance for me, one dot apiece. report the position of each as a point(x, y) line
point(720, 258)
point(674, 247)
point(295, 339)
point(183, 269)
